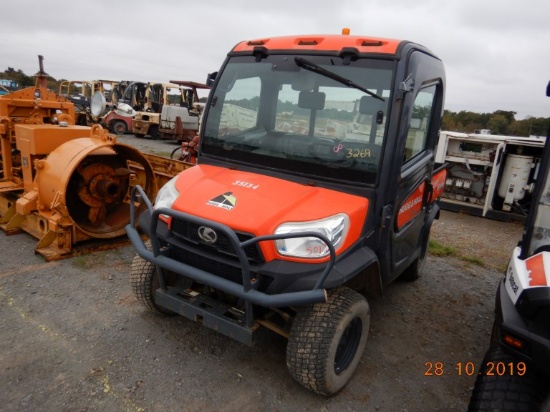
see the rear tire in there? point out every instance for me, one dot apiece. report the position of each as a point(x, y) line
point(546, 403)
point(327, 341)
point(416, 269)
point(509, 392)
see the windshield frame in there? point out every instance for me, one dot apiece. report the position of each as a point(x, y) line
point(536, 236)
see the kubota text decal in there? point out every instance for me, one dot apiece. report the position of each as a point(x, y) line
point(411, 207)
point(226, 201)
point(438, 184)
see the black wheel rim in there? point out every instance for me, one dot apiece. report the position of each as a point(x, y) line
point(347, 347)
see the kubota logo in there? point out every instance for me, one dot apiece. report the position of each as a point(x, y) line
point(207, 235)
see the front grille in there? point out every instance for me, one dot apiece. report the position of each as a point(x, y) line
point(189, 231)
point(213, 266)
point(216, 267)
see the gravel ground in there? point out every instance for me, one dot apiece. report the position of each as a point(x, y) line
point(157, 147)
point(74, 338)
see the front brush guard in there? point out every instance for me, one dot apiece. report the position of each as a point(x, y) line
point(248, 290)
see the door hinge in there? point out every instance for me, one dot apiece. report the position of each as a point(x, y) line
point(408, 84)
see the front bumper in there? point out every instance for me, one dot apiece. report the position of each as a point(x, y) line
point(308, 281)
point(289, 284)
point(534, 334)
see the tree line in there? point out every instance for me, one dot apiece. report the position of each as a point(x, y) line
point(26, 81)
point(499, 122)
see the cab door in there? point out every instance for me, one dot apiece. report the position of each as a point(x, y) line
point(414, 183)
point(410, 190)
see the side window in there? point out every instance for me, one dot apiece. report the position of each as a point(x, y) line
point(420, 122)
point(240, 110)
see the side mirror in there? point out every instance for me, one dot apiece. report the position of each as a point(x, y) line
point(211, 78)
point(548, 89)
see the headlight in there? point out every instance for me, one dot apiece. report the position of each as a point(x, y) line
point(334, 228)
point(167, 195)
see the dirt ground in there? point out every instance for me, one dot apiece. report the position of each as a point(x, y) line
point(74, 338)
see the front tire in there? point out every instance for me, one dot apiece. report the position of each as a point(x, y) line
point(327, 341)
point(154, 132)
point(508, 392)
point(144, 281)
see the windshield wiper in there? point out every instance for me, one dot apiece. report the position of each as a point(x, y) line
point(308, 65)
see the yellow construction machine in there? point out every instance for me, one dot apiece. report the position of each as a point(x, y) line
point(65, 184)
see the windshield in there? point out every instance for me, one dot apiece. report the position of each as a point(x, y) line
point(540, 233)
point(174, 96)
point(276, 113)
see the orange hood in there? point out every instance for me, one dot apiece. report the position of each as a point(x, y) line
point(258, 204)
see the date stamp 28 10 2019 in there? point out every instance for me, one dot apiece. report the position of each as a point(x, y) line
point(470, 369)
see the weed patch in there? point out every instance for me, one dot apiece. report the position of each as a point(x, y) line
point(438, 249)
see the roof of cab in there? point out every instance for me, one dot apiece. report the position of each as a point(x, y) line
point(333, 43)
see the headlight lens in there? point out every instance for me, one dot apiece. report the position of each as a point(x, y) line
point(334, 228)
point(167, 195)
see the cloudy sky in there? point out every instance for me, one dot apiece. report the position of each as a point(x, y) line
point(496, 52)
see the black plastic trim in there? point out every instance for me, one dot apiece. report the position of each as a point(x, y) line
point(536, 351)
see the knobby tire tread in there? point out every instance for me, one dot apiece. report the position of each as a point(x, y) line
point(142, 279)
point(506, 393)
point(311, 337)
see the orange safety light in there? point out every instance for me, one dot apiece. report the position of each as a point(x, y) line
point(346, 31)
point(513, 342)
